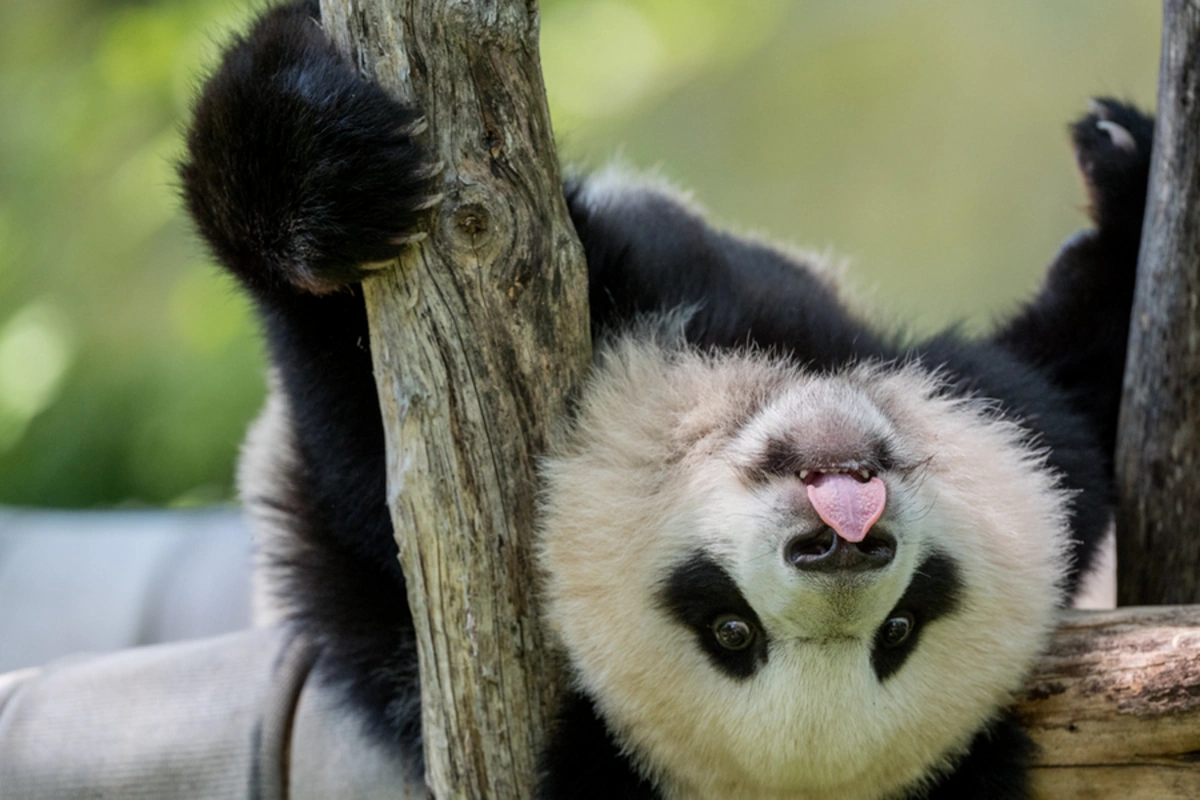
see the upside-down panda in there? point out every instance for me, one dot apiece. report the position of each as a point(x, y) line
point(787, 555)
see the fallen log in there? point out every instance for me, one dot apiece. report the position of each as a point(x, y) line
point(1115, 706)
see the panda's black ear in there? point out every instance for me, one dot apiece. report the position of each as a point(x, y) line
point(996, 767)
point(584, 762)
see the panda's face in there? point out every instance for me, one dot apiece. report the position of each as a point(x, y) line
point(738, 644)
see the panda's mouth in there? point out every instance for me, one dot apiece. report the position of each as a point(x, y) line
point(860, 474)
point(849, 499)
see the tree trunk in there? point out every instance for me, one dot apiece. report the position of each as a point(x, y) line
point(1115, 706)
point(1158, 445)
point(478, 338)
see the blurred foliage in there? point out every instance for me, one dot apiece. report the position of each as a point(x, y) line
point(922, 139)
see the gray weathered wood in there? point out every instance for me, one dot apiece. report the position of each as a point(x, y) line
point(1115, 706)
point(478, 337)
point(1158, 446)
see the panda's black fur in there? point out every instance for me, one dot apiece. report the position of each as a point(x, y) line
point(299, 172)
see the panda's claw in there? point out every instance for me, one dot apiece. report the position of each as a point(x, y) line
point(1098, 108)
point(1120, 137)
point(414, 128)
point(429, 201)
point(430, 170)
point(409, 238)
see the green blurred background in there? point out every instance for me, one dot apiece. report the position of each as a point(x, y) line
point(923, 139)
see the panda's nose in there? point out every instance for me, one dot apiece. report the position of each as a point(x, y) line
point(823, 550)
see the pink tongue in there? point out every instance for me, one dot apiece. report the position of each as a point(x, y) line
point(847, 506)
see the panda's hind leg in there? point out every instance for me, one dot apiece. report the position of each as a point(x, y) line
point(300, 173)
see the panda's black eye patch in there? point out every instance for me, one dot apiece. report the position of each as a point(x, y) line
point(935, 591)
point(703, 597)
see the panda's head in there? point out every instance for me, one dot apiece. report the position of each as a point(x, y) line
point(780, 583)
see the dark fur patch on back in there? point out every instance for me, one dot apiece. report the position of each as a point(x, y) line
point(356, 612)
point(995, 767)
point(583, 760)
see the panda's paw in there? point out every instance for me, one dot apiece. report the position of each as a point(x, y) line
point(301, 174)
point(1112, 148)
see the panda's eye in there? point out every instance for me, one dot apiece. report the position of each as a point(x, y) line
point(732, 632)
point(897, 629)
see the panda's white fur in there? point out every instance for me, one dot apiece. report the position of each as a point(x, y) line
point(268, 456)
point(659, 463)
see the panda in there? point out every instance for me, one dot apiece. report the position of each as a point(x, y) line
point(787, 554)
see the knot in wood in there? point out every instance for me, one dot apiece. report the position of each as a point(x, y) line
point(478, 225)
point(472, 219)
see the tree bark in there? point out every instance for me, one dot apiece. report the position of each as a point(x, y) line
point(1115, 706)
point(1158, 445)
point(478, 338)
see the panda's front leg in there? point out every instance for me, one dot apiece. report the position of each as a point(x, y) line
point(1077, 326)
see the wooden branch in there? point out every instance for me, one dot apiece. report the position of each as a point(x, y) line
point(1115, 706)
point(1158, 444)
point(477, 339)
